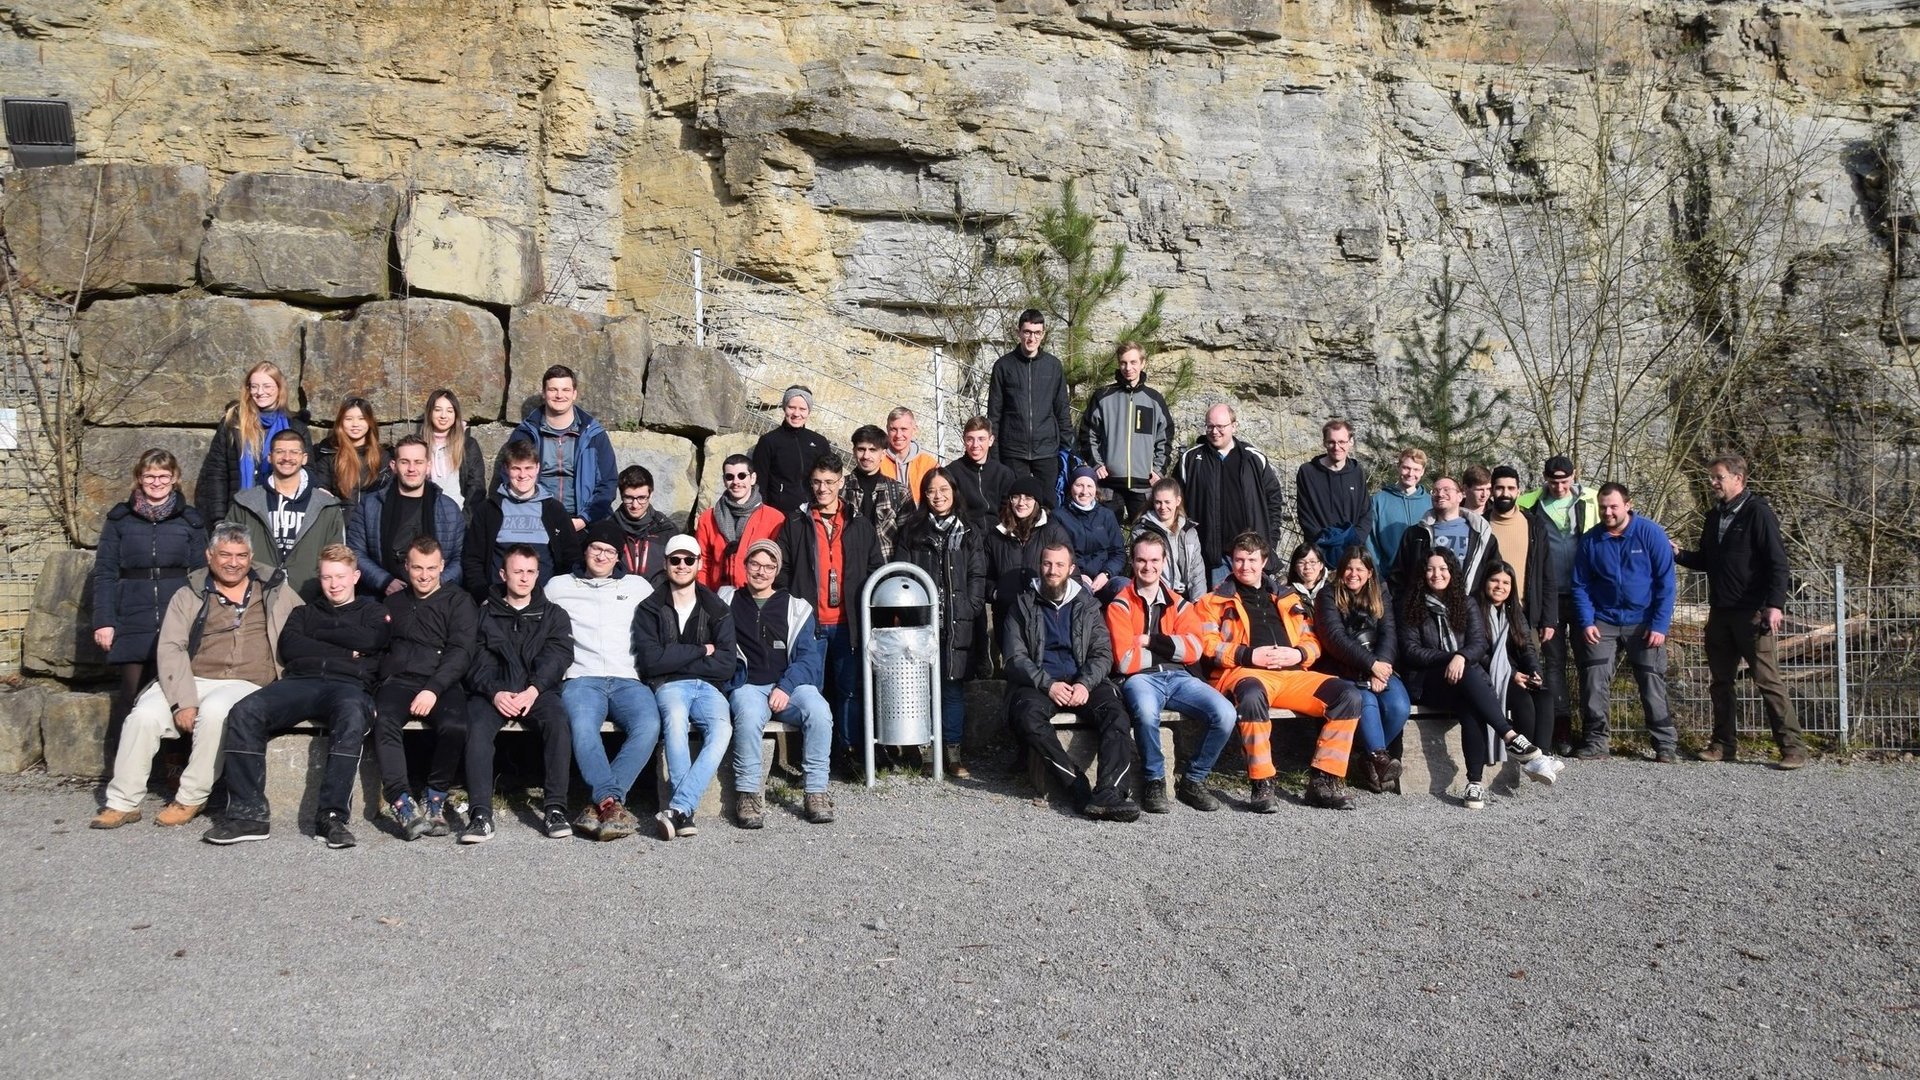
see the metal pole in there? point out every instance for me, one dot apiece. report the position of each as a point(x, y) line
point(939, 411)
point(699, 304)
point(1840, 645)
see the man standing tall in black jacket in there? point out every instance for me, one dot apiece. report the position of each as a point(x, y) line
point(1231, 488)
point(1747, 579)
point(1330, 495)
point(330, 651)
point(1027, 406)
point(526, 645)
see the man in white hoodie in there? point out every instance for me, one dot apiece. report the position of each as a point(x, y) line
point(602, 681)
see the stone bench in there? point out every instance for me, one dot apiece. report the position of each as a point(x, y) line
point(295, 759)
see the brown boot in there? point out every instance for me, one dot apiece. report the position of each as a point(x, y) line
point(1364, 771)
point(1386, 769)
point(109, 818)
point(174, 814)
point(1326, 791)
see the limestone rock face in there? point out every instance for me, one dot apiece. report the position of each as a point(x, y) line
point(20, 729)
point(396, 352)
point(176, 359)
point(299, 237)
point(73, 733)
point(465, 256)
point(692, 391)
point(672, 461)
point(609, 356)
point(59, 638)
point(107, 455)
point(126, 227)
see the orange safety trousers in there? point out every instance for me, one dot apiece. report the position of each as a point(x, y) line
point(1296, 691)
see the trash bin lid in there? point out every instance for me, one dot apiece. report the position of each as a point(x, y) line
point(900, 591)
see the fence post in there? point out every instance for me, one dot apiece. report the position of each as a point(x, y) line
point(1840, 645)
point(939, 405)
point(699, 304)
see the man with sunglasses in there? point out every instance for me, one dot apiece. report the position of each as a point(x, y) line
point(683, 646)
point(736, 521)
point(779, 675)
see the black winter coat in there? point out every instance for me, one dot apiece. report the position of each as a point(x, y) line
point(480, 557)
point(1344, 651)
point(1423, 657)
point(800, 564)
point(344, 643)
point(1099, 547)
point(783, 459)
point(518, 648)
point(323, 466)
point(138, 568)
point(1028, 408)
point(1012, 567)
point(433, 640)
point(1747, 571)
point(220, 472)
point(984, 486)
point(660, 652)
point(958, 564)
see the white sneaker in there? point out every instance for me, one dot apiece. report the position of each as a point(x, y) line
point(1541, 769)
point(1475, 797)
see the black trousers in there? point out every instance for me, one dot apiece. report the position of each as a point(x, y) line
point(549, 717)
point(1473, 701)
point(1531, 714)
point(345, 709)
point(1030, 712)
point(447, 721)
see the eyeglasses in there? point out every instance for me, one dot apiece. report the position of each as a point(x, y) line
point(636, 498)
point(1219, 427)
point(762, 566)
point(736, 475)
point(682, 560)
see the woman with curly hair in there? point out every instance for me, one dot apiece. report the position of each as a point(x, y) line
point(1443, 653)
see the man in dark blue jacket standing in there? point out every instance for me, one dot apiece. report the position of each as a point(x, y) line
point(1623, 589)
point(576, 457)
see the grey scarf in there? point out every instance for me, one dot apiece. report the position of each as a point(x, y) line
point(731, 517)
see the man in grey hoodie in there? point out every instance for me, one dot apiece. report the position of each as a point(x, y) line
point(290, 521)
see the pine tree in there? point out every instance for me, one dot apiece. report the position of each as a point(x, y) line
point(1069, 276)
point(1435, 401)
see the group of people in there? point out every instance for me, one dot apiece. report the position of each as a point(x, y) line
point(370, 587)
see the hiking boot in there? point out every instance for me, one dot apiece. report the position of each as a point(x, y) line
point(588, 823)
point(1113, 806)
point(437, 813)
point(176, 814)
point(1389, 769)
point(1716, 752)
point(1541, 770)
point(1153, 796)
point(1327, 792)
point(1195, 795)
point(1365, 772)
point(555, 824)
point(109, 818)
point(234, 831)
point(1665, 757)
point(1475, 797)
point(616, 821)
point(1793, 757)
point(479, 829)
point(411, 819)
point(819, 807)
point(1261, 800)
point(332, 830)
point(750, 811)
point(1593, 752)
point(950, 759)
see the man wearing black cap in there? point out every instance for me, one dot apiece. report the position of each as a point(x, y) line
point(1027, 406)
point(1570, 510)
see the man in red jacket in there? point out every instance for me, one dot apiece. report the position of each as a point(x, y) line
point(735, 523)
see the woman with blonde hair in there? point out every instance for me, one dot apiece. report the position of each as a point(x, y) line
point(1165, 516)
point(351, 460)
point(237, 459)
point(457, 468)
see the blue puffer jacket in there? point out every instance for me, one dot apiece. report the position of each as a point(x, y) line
point(363, 535)
point(1099, 547)
point(594, 469)
point(139, 566)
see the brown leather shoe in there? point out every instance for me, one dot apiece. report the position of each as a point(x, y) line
point(174, 814)
point(109, 818)
point(1716, 752)
point(1793, 757)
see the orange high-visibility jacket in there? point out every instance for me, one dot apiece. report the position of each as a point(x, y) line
point(1127, 620)
point(1223, 629)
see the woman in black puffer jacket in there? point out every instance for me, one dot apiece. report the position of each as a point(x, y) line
point(1443, 655)
point(148, 546)
point(939, 537)
point(1359, 636)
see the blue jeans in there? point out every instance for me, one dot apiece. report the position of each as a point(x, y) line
point(1383, 715)
point(1218, 572)
point(805, 709)
point(687, 704)
point(843, 686)
point(591, 699)
point(953, 711)
point(1148, 693)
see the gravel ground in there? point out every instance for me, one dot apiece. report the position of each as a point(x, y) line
point(1638, 921)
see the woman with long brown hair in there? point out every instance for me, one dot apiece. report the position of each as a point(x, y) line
point(1360, 641)
point(351, 460)
point(237, 459)
point(457, 467)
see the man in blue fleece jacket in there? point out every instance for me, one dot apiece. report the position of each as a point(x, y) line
point(1623, 588)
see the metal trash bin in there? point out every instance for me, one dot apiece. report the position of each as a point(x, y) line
point(900, 608)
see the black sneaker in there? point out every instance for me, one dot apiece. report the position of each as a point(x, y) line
point(1113, 807)
point(1195, 795)
point(556, 825)
point(332, 829)
point(1153, 796)
point(235, 831)
point(683, 824)
point(479, 830)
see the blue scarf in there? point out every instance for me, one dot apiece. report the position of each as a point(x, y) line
point(254, 470)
